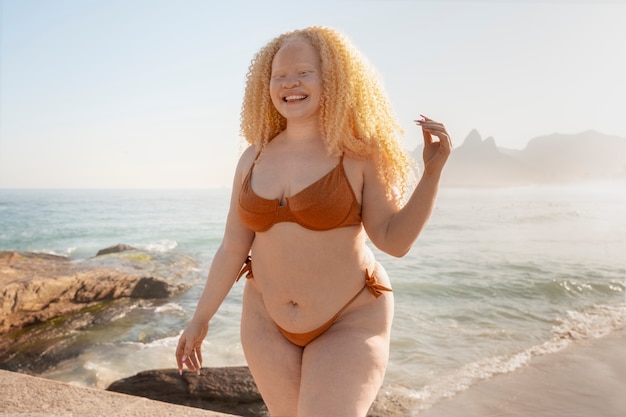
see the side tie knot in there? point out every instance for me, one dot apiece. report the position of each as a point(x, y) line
point(373, 286)
point(246, 269)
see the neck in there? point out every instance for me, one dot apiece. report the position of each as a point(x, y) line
point(303, 132)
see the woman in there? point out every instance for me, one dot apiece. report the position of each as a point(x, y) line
point(324, 172)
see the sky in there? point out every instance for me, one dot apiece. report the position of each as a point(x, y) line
point(147, 93)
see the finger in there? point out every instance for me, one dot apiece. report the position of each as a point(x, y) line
point(180, 354)
point(192, 362)
point(448, 142)
point(432, 125)
point(432, 128)
point(423, 119)
point(444, 143)
point(199, 353)
point(428, 138)
point(188, 357)
point(436, 129)
point(429, 127)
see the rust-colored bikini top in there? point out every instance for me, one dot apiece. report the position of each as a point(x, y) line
point(328, 203)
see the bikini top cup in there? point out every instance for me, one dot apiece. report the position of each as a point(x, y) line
point(326, 204)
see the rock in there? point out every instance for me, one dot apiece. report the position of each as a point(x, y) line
point(229, 390)
point(35, 288)
point(150, 287)
point(120, 247)
point(47, 301)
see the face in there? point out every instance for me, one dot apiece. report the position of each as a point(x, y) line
point(296, 84)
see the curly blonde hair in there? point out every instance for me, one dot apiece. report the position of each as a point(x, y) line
point(356, 116)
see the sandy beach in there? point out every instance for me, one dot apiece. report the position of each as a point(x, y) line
point(587, 379)
point(27, 396)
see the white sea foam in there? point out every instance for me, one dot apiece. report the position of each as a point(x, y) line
point(119, 316)
point(594, 323)
point(102, 364)
point(169, 307)
point(50, 252)
point(162, 246)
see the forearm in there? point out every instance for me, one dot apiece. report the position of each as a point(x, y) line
point(406, 225)
point(222, 273)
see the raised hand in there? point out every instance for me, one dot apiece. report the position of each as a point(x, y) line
point(437, 145)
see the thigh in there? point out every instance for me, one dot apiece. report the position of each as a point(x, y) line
point(343, 369)
point(273, 361)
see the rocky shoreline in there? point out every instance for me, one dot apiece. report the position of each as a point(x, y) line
point(45, 298)
point(39, 287)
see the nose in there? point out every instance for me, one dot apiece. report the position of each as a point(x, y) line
point(291, 82)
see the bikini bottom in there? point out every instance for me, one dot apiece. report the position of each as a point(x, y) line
point(303, 339)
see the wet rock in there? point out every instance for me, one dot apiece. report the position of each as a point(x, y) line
point(228, 390)
point(35, 288)
point(150, 287)
point(120, 247)
point(49, 303)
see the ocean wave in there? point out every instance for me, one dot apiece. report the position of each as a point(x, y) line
point(67, 253)
point(169, 307)
point(103, 363)
point(594, 323)
point(161, 246)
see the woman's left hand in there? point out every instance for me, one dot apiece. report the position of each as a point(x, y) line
point(436, 151)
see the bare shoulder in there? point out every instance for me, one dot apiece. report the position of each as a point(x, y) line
point(246, 159)
point(366, 169)
point(355, 171)
point(354, 164)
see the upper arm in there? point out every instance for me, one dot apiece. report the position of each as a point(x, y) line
point(376, 207)
point(237, 236)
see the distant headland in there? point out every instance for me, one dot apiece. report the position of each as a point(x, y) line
point(551, 159)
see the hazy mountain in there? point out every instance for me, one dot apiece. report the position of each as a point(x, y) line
point(556, 158)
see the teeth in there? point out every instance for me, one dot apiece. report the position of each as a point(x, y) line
point(294, 98)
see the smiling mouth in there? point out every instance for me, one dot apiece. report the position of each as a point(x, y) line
point(293, 98)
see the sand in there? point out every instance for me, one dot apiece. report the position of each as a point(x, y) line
point(27, 396)
point(587, 379)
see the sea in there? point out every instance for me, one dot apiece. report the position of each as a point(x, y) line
point(498, 277)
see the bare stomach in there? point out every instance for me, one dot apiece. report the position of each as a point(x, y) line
point(306, 277)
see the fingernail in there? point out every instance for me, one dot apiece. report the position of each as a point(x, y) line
point(180, 372)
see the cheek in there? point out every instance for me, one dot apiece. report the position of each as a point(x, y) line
point(274, 94)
